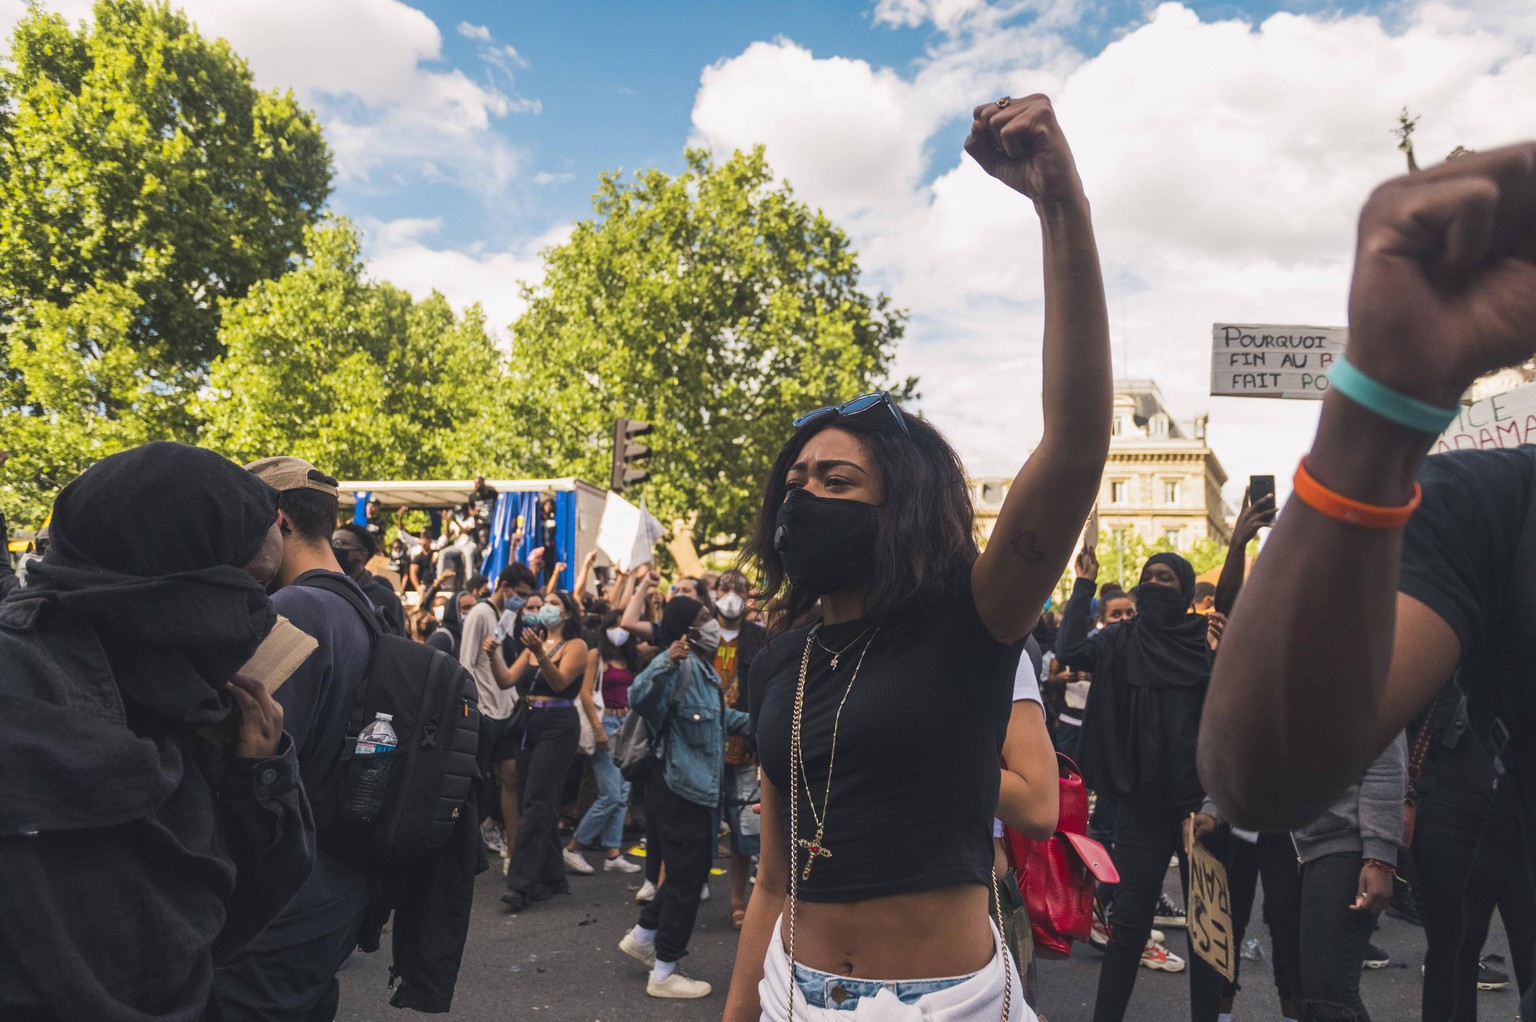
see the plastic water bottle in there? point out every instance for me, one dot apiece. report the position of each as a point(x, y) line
point(1252, 952)
point(371, 770)
point(377, 737)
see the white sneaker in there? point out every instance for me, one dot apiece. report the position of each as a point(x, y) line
point(647, 892)
point(1158, 958)
point(703, 896)
point(639, 950)
point(575, 863)
point(490, 833)
point(619, 864)
point(677, 986)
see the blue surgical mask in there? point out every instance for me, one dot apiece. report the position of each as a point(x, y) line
point(515, 603)
point(549, 615)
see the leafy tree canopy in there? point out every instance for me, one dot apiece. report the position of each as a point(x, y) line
point(143, 180)
point(713, 305)
point(351, 374)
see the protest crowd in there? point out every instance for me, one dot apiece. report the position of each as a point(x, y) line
point(248, 732)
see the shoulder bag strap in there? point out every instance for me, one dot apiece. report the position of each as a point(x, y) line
point(684, 682)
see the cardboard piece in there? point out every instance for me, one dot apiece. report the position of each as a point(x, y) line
point(1209, 912)
point(279, 655)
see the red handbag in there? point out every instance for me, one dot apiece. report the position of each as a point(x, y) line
point(1058, 876)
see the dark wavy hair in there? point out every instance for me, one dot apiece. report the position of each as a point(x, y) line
point(927, 527)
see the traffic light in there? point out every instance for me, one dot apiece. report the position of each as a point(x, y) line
point(627, 451)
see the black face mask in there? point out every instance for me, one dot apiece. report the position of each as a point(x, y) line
point(351, 561)
point(823, 542)
point(1160, 605)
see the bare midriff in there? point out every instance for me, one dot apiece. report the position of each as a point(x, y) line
point(929, 935)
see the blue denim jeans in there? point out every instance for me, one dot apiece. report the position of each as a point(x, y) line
point(842, 993)
point(604, 823)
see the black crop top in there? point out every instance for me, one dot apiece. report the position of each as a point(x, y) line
point(916, 778)
point(534, 683)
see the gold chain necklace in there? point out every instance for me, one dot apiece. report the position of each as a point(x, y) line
point(816, 849)
point(837, 653)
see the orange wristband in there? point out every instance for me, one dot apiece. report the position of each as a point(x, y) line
point(1352, 512)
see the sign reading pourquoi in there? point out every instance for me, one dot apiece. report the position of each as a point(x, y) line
point(1274, 361)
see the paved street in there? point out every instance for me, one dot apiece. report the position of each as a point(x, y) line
point(560, 960)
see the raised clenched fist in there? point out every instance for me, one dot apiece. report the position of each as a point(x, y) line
point(1019, 142)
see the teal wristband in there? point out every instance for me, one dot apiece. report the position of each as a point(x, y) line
point(1388, 403)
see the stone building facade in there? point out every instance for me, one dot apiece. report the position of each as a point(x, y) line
point(1162, 479)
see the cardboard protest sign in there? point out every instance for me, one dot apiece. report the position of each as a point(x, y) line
point(1503, 420)
point(1209, 912)
point(1274, 361)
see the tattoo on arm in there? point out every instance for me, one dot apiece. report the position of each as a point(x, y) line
point(1025, 546)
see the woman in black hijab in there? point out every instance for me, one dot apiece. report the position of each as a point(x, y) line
point(1137, 749)
point(151, 820)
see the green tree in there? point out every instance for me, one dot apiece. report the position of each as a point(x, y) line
point(1122, 552)
point(351, 374)
point(143, 180)
point(711, 304)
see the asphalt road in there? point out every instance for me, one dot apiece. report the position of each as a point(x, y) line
point(559, 960)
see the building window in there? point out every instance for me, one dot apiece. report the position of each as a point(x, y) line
point(1117, 491)
point(1173, 536)
point(991, 494)
point(1159, 425)
point(1170, 491)
point(1116, 426)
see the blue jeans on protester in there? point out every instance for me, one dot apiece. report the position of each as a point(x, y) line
point(603, 826)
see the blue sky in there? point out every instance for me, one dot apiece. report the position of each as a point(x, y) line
point(1226, 148)
point(615, 87)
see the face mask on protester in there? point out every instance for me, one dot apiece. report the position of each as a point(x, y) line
point(515, 603)
point(350, 560)
point(708, 639)
point(1160, 605)
point(824, 542)
point(730, 606)
point(440, 611)
point(550, 615)
point(618, 636)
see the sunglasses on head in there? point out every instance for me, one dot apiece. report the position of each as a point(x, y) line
point(858, 406)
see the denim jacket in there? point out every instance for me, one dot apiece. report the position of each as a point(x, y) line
point(693, 755)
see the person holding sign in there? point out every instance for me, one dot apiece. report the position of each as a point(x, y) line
point(1324, 888)
point(1137, 750)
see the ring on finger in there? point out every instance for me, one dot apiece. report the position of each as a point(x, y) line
point(1004, 102)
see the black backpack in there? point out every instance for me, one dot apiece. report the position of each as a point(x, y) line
point(436, 718)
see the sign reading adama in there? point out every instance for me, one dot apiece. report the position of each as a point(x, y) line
point(1274, 361)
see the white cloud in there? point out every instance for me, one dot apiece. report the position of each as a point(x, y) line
point(544, 177)
point(479, 32)
point(373, 69)
point(399, 251)
point(1226, 163)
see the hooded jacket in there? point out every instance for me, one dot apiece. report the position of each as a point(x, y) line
point(136, 852)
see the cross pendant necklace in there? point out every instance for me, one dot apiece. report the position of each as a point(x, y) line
point(814, 850)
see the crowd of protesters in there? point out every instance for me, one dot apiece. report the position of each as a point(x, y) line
point(860, 712)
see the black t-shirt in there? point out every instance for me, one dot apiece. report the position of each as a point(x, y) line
point(1461, 559)
point(916, 777)
point(426, 567)
point(482, 504)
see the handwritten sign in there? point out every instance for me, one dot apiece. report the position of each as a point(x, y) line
point(1210, 912)
point(1274, 361)
point(1503, 420)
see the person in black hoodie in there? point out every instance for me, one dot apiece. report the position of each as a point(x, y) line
point(1137, 749)
point(151, 819)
